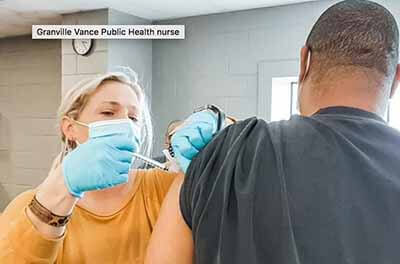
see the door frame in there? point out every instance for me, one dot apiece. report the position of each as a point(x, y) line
point(266, 71)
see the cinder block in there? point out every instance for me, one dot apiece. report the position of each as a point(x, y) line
point(69, 64)
point(31, 160)
point(287, 44)
point(5, 79)
point(66, 47)
point(32, 177)
point(36, 100)
point(5, 166)
point(216, 85)
point(252, 86)
point(238, 53)
point(35, 126)
point(26, 43)
point(9, 191)
point(200, 101)
point(14, 44)
point(94, 63)
point(41, 56)
point(260, 43)
point(69, 81)
point(4, 131)
point(4, 198)
point(10, 61)
point(242, 107)
point(100, 45)
point(36, 75)
point(4, 93)
point(204, 54)
point(39, 144)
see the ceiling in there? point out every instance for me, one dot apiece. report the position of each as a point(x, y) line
point(17, 16)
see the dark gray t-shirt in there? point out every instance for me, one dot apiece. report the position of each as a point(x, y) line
point(320, 189)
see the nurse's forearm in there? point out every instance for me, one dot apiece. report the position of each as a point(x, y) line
point(55, 197)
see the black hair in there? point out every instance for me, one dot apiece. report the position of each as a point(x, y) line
point(357, 33)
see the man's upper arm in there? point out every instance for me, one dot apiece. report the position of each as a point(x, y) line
point(201, 192)
point(171, 241)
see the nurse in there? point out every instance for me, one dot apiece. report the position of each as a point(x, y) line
point(92, 207)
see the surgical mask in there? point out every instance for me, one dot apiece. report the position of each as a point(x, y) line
point(113, 127)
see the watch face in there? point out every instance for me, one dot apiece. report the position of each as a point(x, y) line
point(82, 46)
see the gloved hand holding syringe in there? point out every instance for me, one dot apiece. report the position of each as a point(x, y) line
point(189, 138)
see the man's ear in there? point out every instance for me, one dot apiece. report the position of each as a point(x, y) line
point(305, 55)
point(396, 81)
point(67, 128)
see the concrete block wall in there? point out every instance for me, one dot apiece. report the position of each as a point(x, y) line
point(107, 54)
point(218, 61)
point(30, 92)
point(76, 67)
point(34, 74)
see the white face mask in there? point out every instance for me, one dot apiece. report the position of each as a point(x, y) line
point(113, 127)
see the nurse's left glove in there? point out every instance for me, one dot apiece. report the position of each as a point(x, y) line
point(98, 164)
point(196, 132)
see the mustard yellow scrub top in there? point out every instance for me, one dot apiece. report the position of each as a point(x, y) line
point(90, 238)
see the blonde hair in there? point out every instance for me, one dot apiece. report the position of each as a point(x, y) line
point(76, 99)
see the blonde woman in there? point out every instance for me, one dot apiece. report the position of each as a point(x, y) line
point(75, 216)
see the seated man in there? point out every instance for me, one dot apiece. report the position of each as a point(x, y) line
point(320, 188)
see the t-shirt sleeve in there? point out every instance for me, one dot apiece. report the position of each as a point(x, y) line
point(204, 175)
point(20, 242)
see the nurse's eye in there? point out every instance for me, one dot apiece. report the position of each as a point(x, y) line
point(134, 119)
point(107, 113)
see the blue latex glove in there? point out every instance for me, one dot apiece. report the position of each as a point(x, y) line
point(99, 163)
point(197, 131)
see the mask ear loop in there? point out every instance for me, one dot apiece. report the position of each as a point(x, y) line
point(65, 150)
point(77, 122)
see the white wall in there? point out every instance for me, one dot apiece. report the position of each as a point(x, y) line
point(137, 54)
point(30, 92)
point(218, 61)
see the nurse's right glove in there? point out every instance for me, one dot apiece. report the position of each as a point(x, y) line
point(98, 164)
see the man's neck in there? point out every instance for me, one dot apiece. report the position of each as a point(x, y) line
point(357, 89)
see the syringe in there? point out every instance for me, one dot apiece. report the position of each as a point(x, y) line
point(150, 161)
